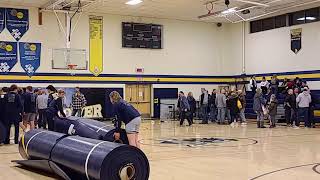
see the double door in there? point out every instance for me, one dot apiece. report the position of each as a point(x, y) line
point(139, 95)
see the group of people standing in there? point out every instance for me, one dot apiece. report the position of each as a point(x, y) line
point(31, 107)
point(215, 107)
point(299, 102)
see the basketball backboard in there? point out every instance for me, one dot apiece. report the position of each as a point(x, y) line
point(62, 59)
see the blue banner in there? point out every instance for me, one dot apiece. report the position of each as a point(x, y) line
point(17, 22)
point(2, 15)
point(30, 54)
point(8, 56)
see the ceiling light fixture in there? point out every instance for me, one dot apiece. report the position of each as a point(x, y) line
point(307, 18)
point(134, 2)
point(229, 11)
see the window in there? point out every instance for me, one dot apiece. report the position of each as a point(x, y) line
point(255, 26)
point(291, 19)
point(268, 24)
point(281, 21)
point(297, 18)
point(312, 15)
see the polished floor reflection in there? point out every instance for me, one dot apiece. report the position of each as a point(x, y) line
point(208, 152)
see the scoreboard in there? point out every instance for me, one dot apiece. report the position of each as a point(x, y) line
point(138, 35)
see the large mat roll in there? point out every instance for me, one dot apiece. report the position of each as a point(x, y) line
point(75, 157)
point(88, 128)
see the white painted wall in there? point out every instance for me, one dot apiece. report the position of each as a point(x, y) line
point(269, 51)
point(189, 48)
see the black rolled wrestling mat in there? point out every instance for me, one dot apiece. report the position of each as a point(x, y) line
point(79, 158)
point(88, 128)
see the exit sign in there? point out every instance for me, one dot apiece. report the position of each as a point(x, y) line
point(139, 70)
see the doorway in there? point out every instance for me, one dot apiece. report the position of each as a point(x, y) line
point(139, 96)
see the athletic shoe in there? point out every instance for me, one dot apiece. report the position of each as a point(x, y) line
point(295, 127)
point(263, 127)
point(244, 123)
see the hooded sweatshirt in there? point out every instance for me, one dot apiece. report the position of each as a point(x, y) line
point(304, 99)
point(56, 106)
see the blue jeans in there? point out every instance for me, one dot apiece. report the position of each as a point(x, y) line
point(242, 115)
point(204, 111)
point(213, 113)
point(221, 114)
point(76, 112)
point(304, 112)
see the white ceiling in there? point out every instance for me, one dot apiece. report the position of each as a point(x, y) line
point(180, 9)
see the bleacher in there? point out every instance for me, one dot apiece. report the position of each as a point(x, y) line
point(250, 114)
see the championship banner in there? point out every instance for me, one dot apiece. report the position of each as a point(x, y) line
point(8, 56)
point(296, 36)
point(96, 45)
point(17, 22)
point(2, 15)
point(30, 54)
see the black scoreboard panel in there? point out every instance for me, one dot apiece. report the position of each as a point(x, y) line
point(137, 35)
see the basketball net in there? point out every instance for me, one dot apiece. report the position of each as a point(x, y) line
point(72, 67)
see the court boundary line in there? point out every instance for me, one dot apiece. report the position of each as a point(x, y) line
point(279, 170)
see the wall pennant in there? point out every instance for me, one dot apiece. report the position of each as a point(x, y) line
point(17, 22)
point(2, 16)
point(296, 36)
point(96, 45)
point(8, 56)
point(30, 54)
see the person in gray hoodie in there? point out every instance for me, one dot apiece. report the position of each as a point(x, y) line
point(221, 103)
point(184, 109)
point(303, 101)
point(258, 103)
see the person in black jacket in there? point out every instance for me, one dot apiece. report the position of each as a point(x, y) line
point(234, 110)
point(193, 105)
point(3, 128)
point(184, 109)
point(51, 90)
point(126, 113)
point(55, 106)
point(30, 107)
point(13, 112)
point(290, 107)
point(213, 107)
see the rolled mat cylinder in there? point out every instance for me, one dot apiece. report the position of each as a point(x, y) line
point(88, 128)
point(75, 157)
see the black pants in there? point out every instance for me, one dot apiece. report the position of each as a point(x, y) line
point(304, 114)
point(42, 122)
point(191, 116)
point(234, 116)
point(288, 116)
point(311, 116)
point(3, 132)
point(185, 115)
point(16, 132)
point(50, 117)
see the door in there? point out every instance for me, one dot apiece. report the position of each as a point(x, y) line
point(139, 95)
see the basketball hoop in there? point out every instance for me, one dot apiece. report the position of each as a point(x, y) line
point(72, 67)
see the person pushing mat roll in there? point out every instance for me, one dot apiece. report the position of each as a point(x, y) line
point(126, 113)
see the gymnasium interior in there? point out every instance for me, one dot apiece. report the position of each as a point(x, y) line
point(229, 67)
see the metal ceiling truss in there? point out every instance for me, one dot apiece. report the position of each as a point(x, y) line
point(267, 7)
point(68, 5)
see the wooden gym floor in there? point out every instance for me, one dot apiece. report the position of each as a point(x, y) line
point(209, 152)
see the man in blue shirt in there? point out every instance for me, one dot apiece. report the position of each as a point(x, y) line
point(184, 109)
point(30, 107)
point(13, 112)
